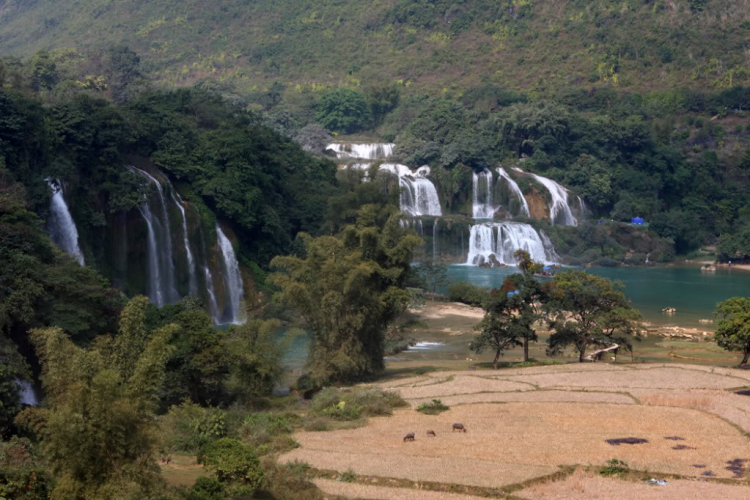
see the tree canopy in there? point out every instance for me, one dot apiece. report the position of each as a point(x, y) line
point(733, 327)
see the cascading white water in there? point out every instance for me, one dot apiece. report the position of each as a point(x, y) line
point(213, 305)
point(559, 211)
point(27, 393)
point(516, 190)
point(162, 274)
point(482, 207)
point(155, 291)
point(498, 241)
point(62, 228)
point(513, 236)
point(482, 244)
point(549, 248)
point(235, 289)
point(418, 193)
point(193, 283)
point(373, 151)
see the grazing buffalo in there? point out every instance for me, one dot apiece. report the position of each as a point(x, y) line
point(431, 433)
point(459, 427)
point(409, 437)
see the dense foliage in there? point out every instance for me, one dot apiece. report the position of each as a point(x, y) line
point(347, 288)
point(587, 310)
point(733, 327)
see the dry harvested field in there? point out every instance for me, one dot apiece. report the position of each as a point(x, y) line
point(525, 424)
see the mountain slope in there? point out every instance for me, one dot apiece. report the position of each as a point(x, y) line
point(429, 45)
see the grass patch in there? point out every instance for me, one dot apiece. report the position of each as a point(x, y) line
point(348, 476)
point(433, 408)
point(613, 467)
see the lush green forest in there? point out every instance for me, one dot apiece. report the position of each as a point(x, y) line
point(638, 107)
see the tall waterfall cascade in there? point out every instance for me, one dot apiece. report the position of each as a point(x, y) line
point(374, 151)
point(62, 228)
point(494, 243)
point(27, 393)
point(235, 289)
point(515, 190)
point(482, 207)
point(162, 274)
point(559, 211)
point(418, 194)
point(186, 241)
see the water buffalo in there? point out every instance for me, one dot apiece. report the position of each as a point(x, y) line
point(459, 427)
point(431, 433)
point(409, 437)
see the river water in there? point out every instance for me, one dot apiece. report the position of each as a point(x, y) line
point(650, 289)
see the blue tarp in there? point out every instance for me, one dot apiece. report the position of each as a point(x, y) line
point(546, 268)
point(512, 293)
point(637, 220)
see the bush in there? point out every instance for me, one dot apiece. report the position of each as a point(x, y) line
point(433, 408)
point(607, 262)
point(189, 427)
point(206, 488)
point(614, 466)
point(233, 462)
point(467, 293)
point(269, 432)
point(352, 404)
point(343, 111)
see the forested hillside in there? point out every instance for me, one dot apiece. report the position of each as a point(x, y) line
point(428, 45)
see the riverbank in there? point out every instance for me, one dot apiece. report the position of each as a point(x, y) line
point(445, 331)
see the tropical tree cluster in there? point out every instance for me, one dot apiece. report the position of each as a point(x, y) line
point(581, 310)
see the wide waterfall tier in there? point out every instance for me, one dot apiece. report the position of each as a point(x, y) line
point(62, 228)
point(235, 289)
point(495, 243)
point(513, 186)
point(418, 194)
point(559, 210)
point(374, 151)
point(482, 206)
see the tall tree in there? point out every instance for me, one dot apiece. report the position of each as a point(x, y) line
point(733, 328)
point(499, 330)
point(588, 310)
point(348, 288)
point(98, 431)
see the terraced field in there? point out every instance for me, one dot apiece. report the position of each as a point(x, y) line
point(542, 432)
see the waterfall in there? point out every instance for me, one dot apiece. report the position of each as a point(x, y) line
point(213, 305)
point(482, 207)
point(549, 248)
point(560, 210)
point(373, 151)
point(27, 393)
point(233, 278)
point(162, 274)
point(435, 241)
point(418, 193)
point(498, 241)
point(155, 291)
point(62, 228)
point(191, 262)
point(516, 190)
point(481, 244)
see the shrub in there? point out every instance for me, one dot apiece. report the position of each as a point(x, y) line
point(433, 408)
point(233, 462)
point(467, 293)
point(269, 432)
point(352, 404)
point(343, 111)
point(206, 488)
point(613, 466)
point(189, 427)
point(348, 476)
